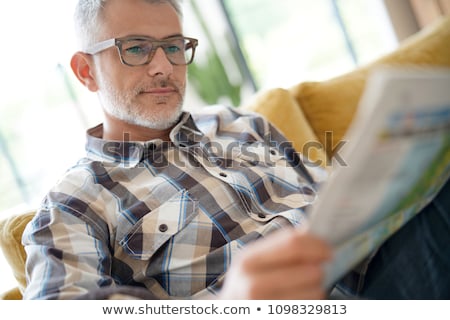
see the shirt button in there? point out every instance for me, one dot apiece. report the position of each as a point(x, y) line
point(261, 215)
point(253, 162)
point(163, 227)
point(223, 174)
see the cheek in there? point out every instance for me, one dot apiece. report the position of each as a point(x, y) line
point(180, 76)
point(179, 81)
point(113, 72)
point(117, 81)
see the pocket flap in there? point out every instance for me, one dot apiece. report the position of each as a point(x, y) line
point(158, 226)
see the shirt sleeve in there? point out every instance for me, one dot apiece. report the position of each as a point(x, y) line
point(59, 265)
point(69, 245)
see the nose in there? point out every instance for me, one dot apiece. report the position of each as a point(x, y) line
point(160, 65)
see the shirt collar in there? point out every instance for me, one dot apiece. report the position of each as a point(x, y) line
point(129, 153)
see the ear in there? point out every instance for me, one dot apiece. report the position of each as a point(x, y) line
point(82, 67)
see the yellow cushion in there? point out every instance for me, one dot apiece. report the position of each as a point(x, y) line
point(11, 230)
point(329, 106)
point(279, 107)
point(13, 294)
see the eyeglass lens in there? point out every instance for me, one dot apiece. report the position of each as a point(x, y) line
point(140, 51)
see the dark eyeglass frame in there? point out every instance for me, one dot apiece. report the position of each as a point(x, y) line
point(191, 43)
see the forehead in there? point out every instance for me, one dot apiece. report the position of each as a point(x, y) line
point(137, 17)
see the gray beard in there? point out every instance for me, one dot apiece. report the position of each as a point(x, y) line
point(118, 106)
point(152, 120)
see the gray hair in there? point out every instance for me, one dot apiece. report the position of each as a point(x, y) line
point(88, 13)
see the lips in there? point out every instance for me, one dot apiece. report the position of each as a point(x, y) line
point(166, 90)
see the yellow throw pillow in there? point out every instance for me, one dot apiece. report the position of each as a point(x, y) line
point(13, 294)
point(329, 105)
point(11, 230)
point(279, 107)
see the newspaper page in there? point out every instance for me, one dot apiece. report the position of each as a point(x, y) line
point(397, 156)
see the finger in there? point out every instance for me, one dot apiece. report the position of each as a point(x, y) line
point(303, 293)
point(259, 288)
point(286, 247)
point(291, 280)
point(285, 281)
point(315, 293)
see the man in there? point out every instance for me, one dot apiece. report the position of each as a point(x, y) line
point(148, 207)
point(168, 204)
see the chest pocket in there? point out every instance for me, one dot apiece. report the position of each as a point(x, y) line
point(159, 225)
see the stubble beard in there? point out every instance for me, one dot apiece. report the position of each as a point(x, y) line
point(156, 114)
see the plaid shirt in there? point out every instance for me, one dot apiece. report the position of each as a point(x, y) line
point(165, 218)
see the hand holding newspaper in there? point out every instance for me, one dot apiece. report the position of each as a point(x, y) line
point(398, 157)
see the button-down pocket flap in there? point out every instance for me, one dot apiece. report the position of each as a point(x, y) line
point(158, 226)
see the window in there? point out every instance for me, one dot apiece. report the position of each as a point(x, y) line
point(290, 41)
point(41, 105)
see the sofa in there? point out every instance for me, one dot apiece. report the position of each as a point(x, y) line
point(318, 112)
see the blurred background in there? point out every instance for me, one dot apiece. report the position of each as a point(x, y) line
point(245, 47)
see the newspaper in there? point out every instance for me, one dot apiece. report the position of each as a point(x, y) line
point(397, 158)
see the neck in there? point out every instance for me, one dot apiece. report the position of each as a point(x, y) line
point(118, 130)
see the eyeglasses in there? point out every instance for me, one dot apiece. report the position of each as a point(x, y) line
point(140, 50)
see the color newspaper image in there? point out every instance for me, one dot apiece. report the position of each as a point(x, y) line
point(397, 158)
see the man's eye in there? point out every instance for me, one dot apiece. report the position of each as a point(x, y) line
point(172, 49)
point(137, 50)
